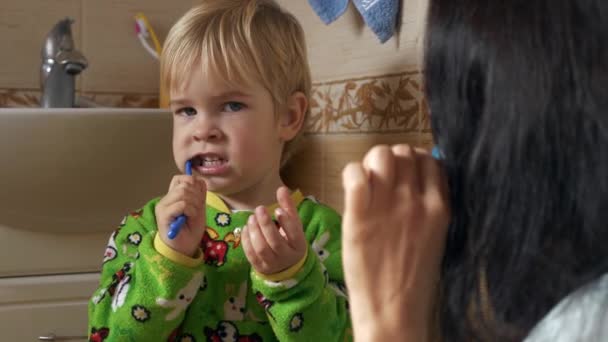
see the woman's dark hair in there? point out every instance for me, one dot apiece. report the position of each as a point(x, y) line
point(518, 95)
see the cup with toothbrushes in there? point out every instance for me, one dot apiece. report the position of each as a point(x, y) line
point(152, 45)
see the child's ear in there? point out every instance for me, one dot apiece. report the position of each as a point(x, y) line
point(292, 118)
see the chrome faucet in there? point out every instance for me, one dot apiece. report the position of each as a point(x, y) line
point(61, 62)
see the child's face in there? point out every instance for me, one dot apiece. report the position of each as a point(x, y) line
point(229, 132)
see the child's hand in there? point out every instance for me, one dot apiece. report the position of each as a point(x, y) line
point(187, 196)
point(395, 223)
point(269, 248)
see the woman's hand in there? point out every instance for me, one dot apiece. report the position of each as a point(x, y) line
point(395, 223)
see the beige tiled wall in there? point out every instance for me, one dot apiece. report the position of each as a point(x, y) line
point(23, 26)
point(348, 49)
point(317, 167)
point(118, 63)
point(104, 32)
point(364, 92)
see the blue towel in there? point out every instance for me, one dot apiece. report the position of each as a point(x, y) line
point(329, 10)
point(380, 15)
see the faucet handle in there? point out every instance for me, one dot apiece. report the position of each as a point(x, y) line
point(73, 61)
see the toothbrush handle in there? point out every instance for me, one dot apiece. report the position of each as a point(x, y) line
point(177, 224)
point(436, 153)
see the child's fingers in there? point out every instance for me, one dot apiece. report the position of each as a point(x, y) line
point(248, 249)
point(201, 185)
point(173, 210)
point(180, 193)
point(356, 189)
point(191, 207)
point(270, 231)
point(196, 185)
point(292, 228)
point(183, 187)
point(288, 218)
point(285, 201)
point(193, 210)
point(181, 179)
point(282, 232)
point(258, 241)
point(187, 188)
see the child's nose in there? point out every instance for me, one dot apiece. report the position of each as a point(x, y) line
point(207, 131)
point(209, 135)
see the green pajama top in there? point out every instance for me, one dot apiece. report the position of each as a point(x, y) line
point(148, 292)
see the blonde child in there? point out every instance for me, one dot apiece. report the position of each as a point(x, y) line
point(241, 268)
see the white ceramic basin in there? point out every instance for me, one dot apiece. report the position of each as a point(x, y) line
point(77, 170)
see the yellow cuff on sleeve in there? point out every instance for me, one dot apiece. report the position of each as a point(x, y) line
point(175, 256)
point(288, 273)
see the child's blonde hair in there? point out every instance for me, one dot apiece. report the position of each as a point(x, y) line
point(244, 41)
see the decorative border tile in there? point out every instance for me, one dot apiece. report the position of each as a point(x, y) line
point(376, 104)
point(389, 103)
point(31, 98)
point(123, 100)
point(19, 98)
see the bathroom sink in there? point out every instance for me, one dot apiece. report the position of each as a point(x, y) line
point(76, 170)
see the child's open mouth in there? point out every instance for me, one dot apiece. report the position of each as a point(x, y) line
point(210, 164)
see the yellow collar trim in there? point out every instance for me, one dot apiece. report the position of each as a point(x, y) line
point(218, 203)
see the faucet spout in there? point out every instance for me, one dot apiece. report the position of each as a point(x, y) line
point(58, 39)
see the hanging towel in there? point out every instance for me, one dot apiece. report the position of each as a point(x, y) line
point(380, 15)
point(329, 10)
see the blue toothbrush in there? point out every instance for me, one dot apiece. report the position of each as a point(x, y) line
point(436, 153)
point(177, 224)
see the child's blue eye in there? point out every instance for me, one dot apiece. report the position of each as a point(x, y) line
point(233, 106)
point(187, 111)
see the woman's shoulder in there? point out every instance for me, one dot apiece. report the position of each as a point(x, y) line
point(582, 316)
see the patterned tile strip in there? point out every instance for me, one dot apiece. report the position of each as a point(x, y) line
point(376, 104)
